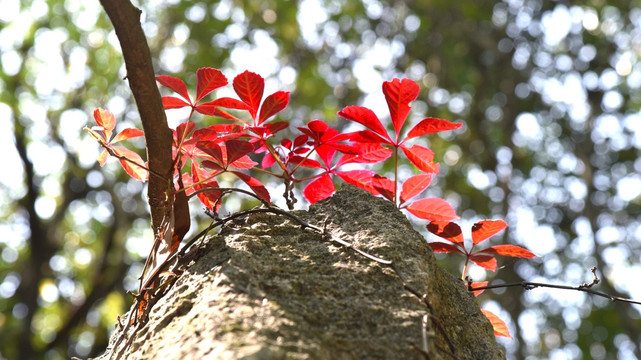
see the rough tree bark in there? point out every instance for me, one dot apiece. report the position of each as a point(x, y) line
point(266, 289)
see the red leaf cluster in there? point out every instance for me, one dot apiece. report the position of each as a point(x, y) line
point(203, 154)
point(481, 231)
point(130, 160)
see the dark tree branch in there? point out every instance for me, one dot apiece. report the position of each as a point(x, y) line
point(585, 287)
point(126, 21)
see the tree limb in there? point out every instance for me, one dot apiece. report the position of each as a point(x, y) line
point(126, 21)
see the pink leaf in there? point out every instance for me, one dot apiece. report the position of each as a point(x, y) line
point(414, 185)
point(399, 93)
point(249, 86)
point(500, 329)
point(485, 229)
point(209, 79)
point(366, 117)
point(509, 250)
point(431, 126)
point(319, 189)
point(422, 158)
point(175, 84)
point(432, 209)
point(447, 230)
point(272, 105)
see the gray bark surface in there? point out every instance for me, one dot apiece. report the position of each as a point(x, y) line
point(266, 289)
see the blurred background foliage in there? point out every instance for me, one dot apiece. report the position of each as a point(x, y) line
point(548, 92)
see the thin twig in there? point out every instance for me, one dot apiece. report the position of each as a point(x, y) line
point(224, 191)
point(585, 287)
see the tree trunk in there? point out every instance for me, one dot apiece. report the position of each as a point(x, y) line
point(266, 289)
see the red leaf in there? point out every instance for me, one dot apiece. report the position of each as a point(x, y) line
point(183, 130)
point(441, 247)
point(237, 149)
point(209, 79)
point(210, 107)
point(213, 165)
point(368, 136)
point(477, 285)
point(319, 189)
point(422, 158)
point(432, 209)
point(384, 186)
point(508, 250)
point(130, 167)
point(244, 163)
point(447, 230)
point(268, 161)
point(207, 198)
point(358, 178)
point(258, 188)
point(249, 86)
point(272, 105)
point(230, 103)
point(273, 128)
point(127, 134)
point(300, 140)
point(399, 93)
point(212, 149)
point(226, 128)
point(307, 162)
point(484, 261)
point(366, 153)
point(485, 229)
point(102, 158)
point(366, 117)
point(106, 120)
point(500, 328)
point(174, 84)
point(172, 102)
point(430, 126)
point(414, 185)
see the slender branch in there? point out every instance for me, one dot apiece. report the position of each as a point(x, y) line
point(585, 287)
point(228, 190)
point(126, 21)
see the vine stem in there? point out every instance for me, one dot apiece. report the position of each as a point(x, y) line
point(396, 176)
point(585, 287)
